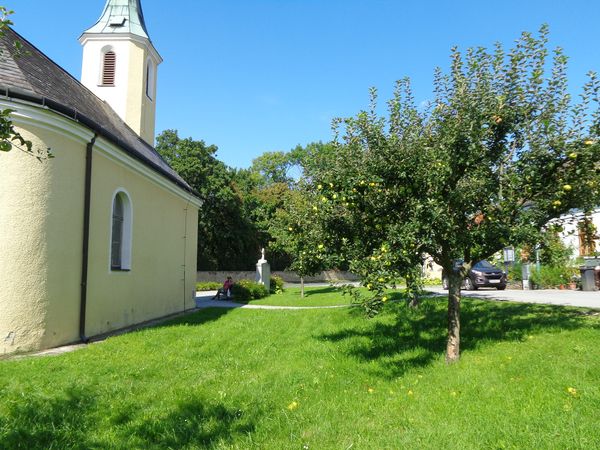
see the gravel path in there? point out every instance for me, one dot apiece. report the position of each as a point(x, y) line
point(584, 299)
point(204, 300)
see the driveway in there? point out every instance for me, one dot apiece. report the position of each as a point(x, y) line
point(586, 299)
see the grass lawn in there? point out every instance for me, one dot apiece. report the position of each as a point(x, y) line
point(313, 296)
point(529, 377)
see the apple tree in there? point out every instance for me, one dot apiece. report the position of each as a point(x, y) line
point(501, 149)
point(8, 135)
point(293, 232)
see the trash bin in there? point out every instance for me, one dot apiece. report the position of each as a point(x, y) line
point(588, 278)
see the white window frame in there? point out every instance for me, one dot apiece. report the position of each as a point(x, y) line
point(127, 238)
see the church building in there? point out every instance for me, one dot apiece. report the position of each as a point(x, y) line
point(103, 235)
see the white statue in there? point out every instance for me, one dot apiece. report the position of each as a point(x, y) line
point(263, 271)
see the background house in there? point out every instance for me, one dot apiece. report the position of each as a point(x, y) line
point(582, 233)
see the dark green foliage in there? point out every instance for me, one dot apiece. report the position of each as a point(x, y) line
point(501, 150)
point(239, 206)
point(515, 272)
point(268, 188)
point(245, 290)
point(9, 137)
point(273, 167)
point(226, 237)
point(208, 285)
point(261, 201)
point(553, 251)
point(551, 277)
point(276, 286)
point(294, 233)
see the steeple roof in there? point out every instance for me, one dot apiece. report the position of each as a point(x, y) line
point(121, 16)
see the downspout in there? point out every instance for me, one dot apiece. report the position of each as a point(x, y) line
point(86, 237)
point(185, 233)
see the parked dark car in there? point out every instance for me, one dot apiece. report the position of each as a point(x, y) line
point(482, 274)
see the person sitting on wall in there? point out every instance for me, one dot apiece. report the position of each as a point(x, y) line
point(225, 290)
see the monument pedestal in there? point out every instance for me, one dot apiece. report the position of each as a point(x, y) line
point(263, 272)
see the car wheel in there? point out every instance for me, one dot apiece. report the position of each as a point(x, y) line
point(501, 288)
point(469, 286)
point(445, 283)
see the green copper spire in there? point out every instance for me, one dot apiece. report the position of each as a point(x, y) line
point(121, 16)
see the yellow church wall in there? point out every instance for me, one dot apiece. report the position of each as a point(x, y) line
point(154, 285)
point(140, 111)
point(40, 244)
point(64, 235)
point(41, 223)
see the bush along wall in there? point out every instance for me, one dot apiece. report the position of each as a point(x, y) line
point(208, 286)
point(276, 285)
point(246, 290)
point(550, 277)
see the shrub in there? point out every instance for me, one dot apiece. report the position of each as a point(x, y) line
point(550, 276)
point(208, 286)
point(427, 281)
point(515, 272)
point(276, 284)
point(248, 290)
point(554, 252)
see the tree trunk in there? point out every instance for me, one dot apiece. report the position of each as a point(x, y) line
point(413, 290)
point(301, 287)
point(414, 302)
point(453, 345)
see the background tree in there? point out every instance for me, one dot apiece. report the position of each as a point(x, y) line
point(265, 189)
point(240, 205)
point(273, 167)
point(226, 237)
point(9, 137)
point(500, 151)
point(294, 233)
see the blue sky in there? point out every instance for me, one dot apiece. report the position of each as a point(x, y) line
point(261, 75)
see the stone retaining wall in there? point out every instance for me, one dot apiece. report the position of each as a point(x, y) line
point(288, 277)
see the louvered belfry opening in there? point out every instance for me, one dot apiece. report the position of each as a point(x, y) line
point(108, 68)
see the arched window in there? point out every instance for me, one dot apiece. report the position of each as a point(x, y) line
point(149, 79)
point(109, 66)
point(120, 241)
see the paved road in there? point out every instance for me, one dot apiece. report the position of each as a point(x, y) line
point(204, 299)
point(586, 299)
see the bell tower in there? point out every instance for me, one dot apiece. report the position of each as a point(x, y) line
point(120, 65)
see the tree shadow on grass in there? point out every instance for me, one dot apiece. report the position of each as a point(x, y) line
point(74, 419)
point(319, 291)
point(307, 293)
point(203, 316)
point(39, 421)
point(193, 423)
point(415, 338)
